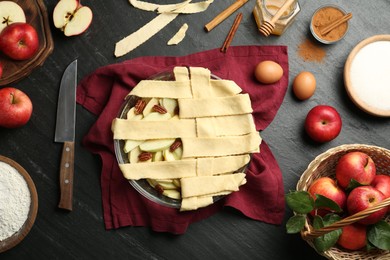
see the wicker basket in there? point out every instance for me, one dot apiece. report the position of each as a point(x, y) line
point(324, 165)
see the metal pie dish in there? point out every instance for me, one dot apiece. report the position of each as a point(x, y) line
point(18, 236)
point(142, 185)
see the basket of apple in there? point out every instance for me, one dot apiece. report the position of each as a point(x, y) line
point(342, 203)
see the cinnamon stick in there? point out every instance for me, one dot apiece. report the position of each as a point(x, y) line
point(224, 14)
point(335, 23)
point(231, 33)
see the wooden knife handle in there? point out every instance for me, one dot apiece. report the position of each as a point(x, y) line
point(66, 176)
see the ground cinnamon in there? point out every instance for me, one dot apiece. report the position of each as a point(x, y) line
point(310, 51)
point(326, 16)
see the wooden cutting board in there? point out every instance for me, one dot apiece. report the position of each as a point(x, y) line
point(36, 15)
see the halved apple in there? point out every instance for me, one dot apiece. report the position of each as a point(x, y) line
point(10, 12)
point(72, 17)
point(156, 145)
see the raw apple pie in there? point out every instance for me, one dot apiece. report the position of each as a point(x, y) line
point(188, 137)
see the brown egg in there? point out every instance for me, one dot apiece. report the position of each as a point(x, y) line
point(268, 72)
point(304, 85)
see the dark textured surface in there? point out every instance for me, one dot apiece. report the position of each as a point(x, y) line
point(226, 235)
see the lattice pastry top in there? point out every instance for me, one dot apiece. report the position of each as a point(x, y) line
point(188, 137)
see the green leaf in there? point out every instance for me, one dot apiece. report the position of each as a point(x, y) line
point(295, 224)
point(322, 202)
point(353, 184)
point(328, 240)
point(379, 235)
point(318, 222)
point(300, 201)
point(331, 218)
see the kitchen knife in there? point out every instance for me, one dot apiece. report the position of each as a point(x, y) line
point(65, 133)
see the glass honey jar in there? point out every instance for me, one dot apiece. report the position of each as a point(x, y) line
point(265, 9)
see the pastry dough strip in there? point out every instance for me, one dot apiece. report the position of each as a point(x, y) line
point(221, 165)
point(200, 186)
point(182, 168)
point(141, 130)
point(215, 106)
point(181, 73)
point(220, 146)
point(162, 89)
point(200, 82)
point(143, 34)
point(185, 128)
point(193, 203)
point(216, 126)
point(159, 170)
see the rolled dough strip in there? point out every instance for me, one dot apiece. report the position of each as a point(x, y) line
point(220, 146)
point(179, 36)
point(181, 74)
point(142, 130)
point(224, 88)
point(220, 165)
point(193, 8)
point(159, 88)
point(210, 185)
point(146, 6)
point(216, 126)
point(159, 170)
point(215, 106)
point(143, 34)
point(200, 82)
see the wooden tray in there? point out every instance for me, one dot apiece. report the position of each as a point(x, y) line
point(359, 101)
point(16, 238)
point(36, 15)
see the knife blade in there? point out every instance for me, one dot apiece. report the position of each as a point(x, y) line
point(65, 133)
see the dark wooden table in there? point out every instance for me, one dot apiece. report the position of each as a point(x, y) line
point(228, 234)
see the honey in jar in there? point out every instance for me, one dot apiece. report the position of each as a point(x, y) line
point(265, 9)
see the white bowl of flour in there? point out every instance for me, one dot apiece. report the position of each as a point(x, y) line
point(18, 203)
point(367, 75)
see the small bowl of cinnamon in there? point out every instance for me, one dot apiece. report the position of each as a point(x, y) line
point(329, 24)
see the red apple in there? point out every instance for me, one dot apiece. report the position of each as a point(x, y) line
point(382, 183)
point(355, 165)
point(72, 17)
point(1, 70)
point(15, 107)
point(353, 237)
point(323, 123)
point(364, 197)
point(327, 187)
point(19, 41)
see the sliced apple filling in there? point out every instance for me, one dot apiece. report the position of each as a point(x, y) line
point(190, 138)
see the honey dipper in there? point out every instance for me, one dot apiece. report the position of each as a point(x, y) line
point(267, 27)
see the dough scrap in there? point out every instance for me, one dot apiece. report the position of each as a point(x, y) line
point(143, 34)
point(179, 36)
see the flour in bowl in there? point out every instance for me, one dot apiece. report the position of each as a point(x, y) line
point(15, 200)
point(370, 75)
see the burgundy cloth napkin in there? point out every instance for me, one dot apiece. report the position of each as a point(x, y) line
point(103, 92)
